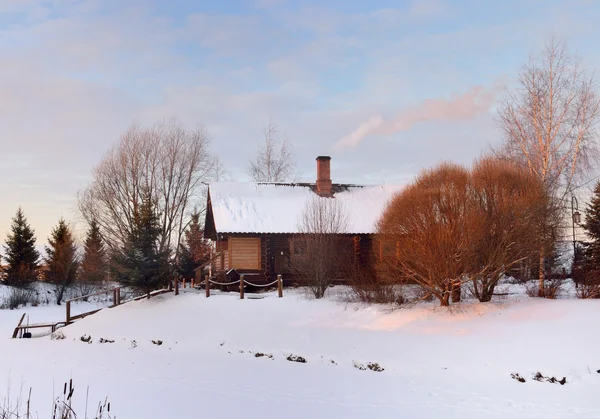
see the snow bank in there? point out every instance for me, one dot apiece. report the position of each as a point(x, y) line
point(455, 364)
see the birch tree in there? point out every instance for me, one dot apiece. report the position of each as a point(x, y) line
point(550, 123)
point(167, 162)
point(275, 159)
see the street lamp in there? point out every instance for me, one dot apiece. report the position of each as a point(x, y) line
point(576, 217)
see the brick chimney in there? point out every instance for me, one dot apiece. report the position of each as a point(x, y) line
point(324, 176)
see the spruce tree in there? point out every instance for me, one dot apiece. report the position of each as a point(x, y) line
point(592, 229)
point(194, 250)
point(21, 255)
point(61, 259)
point(93, 264)
point(141, 264)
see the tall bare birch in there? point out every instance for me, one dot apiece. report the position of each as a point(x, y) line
point(550, 121)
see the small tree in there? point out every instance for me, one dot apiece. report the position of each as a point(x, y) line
point(21, 254)
point(141, 263)
point(275, 159)
point(61, 259)
point(319, 258)
point(93, 265)
point(195, 250)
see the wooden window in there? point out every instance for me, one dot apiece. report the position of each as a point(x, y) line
point(244, 253)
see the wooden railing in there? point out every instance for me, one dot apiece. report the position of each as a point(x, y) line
point(116, 300)
point(243, 283)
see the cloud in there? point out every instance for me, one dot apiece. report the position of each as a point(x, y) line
point(465, 107)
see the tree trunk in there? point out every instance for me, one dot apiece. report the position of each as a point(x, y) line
point(455, 286)
point(542, 271)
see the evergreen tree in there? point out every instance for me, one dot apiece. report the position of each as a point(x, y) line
point(592, 229)
point(21, 255)
point(141, 264)
point(93, 265)
point(61, 259)
point(194, 250)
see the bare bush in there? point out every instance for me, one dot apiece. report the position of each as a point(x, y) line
point(587, 290)
point(368, 287)
point(20, 296)
point(320, 257)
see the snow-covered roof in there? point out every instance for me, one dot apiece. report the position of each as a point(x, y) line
point(277, 208)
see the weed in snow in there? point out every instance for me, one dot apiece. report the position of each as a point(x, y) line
point(538, 376)
point(57, 335)
point(86, 338)
point(517, 377)
point(157, 342)
point(296, 358)
point(372, 366)
point(133, 344)
point(261, 355)
point(102, 340)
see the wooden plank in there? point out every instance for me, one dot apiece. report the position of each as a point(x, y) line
point(16, 332)
point(81, 316)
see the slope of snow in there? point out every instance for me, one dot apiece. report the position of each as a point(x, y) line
point(438, 363)
point(270, 208)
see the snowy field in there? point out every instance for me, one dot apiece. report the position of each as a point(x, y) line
point(437, 362)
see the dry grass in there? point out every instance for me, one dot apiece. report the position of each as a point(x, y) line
point(62, 408)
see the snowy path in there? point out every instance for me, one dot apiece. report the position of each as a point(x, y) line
point(436, 364)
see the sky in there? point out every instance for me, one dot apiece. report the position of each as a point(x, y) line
point(384, 87)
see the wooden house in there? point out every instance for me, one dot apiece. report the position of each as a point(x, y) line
point(254, 230)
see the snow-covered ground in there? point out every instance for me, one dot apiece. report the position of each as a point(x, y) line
point(437, 362)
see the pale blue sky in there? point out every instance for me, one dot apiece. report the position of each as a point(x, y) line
point(385, 87)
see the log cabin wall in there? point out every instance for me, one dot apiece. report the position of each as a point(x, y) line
point(268, 255)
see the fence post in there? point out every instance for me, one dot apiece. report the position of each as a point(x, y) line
point(207, 286)
point(115, 297)
point(68, 305)
point(183, 282)
point(241, 287)
point(193, 283)
point(119, 296)
point(279, 286)
point(176, 286)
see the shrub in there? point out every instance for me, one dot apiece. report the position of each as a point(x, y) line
point(586, 290)
point(368, 287)
point(19, 296)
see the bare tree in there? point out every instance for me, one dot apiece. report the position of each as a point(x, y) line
point(318, 257)
point(167, 161)
point(508, 203)
point(275, 159)
point(550, 121)
point(423, 233)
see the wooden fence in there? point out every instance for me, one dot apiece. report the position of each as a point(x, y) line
point(116, 300)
